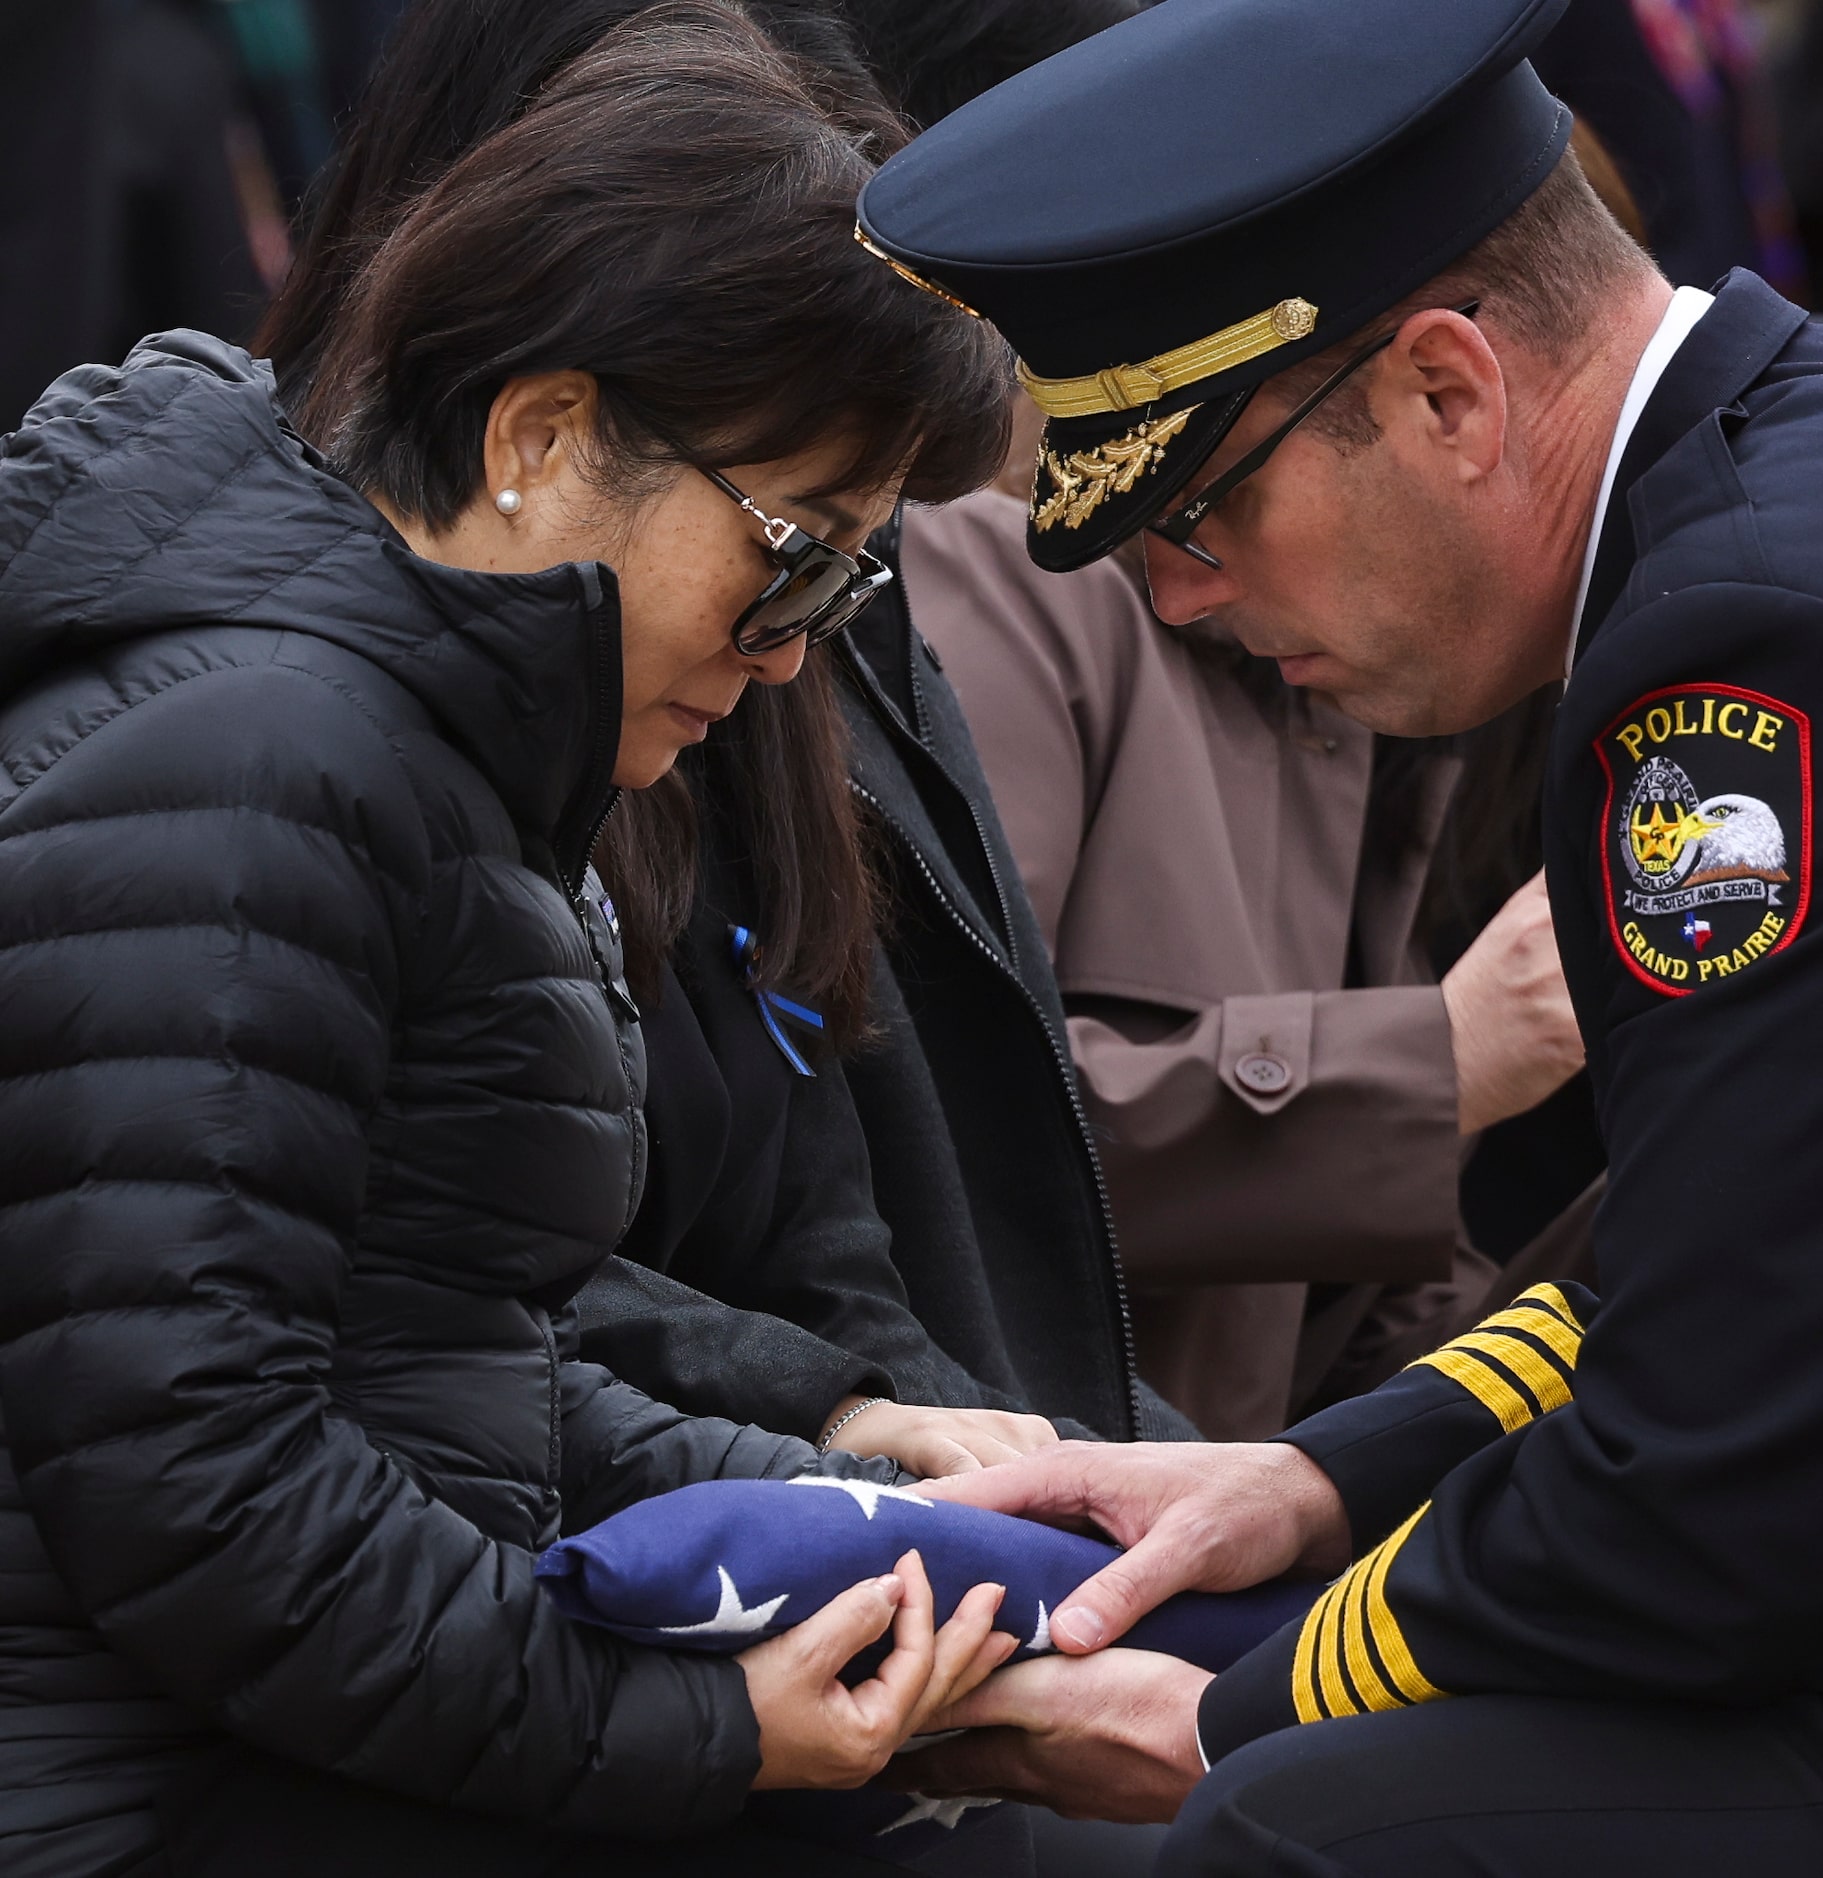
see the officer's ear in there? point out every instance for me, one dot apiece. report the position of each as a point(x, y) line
point(1442, 390)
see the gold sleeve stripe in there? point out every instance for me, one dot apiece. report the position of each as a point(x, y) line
point(1338, 1698)
point(1375, 1696)
point(1352, 1614)
point(1564, 1343)
point(1492, 1390)
point(1541, 1313)
point(1389, 1639)
point(1554, 1301)
point(1539, 1374)
point(1303, 1662)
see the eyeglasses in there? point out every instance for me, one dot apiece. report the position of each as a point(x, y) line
point(1182, 523)
point(816, 591)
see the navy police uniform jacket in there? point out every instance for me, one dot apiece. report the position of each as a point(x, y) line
point(1629, 1502)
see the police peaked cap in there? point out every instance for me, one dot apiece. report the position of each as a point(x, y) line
point(1176, 209)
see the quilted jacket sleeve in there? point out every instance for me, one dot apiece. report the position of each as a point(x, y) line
point(204, 905)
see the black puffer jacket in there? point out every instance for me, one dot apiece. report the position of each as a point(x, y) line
point(314, 1114)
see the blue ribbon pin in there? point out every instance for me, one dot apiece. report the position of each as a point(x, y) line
point(770, 1004)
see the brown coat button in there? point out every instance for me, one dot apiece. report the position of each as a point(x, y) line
point(1262, 1073)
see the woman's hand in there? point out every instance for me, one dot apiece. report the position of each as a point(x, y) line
point(814, 1731)
point(936, 1442)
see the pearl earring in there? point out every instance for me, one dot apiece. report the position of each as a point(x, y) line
point(509, 502)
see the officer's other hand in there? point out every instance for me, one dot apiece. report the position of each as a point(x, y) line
point(817, 1732)
point(1193, 1517)
point(1514, 1034)
point(1110, 1737)
point(937, 1441)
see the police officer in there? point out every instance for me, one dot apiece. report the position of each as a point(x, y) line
point(1311, 297)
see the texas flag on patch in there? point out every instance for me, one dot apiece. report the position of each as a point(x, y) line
point(727, 1563)
point(1696, 931)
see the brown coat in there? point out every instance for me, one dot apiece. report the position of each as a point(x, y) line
point(1192, 839)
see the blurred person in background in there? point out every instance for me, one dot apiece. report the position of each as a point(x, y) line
point(131, 167)
point(1679, 95)
point(1795, 28)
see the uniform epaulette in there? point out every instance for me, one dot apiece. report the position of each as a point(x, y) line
point(1521, 1362)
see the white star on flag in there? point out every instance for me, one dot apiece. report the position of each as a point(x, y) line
point(945, 1813)
point(866, 1494)
point(732, 1618)
point(1041, 1634)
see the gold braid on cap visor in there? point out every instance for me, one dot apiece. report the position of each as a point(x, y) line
point(1128, 387)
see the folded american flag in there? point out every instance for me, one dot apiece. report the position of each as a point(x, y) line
point(728, 1563)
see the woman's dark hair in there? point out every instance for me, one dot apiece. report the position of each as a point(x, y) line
point(675, 216)
point(454, 72)
point(672, 212)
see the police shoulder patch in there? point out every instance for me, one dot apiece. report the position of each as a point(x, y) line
point(1705, 841)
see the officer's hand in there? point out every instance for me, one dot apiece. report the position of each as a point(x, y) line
point(1194, 1517)
point(1511, 1025)
point(1113, 1737)
point(815, 1731)
point(934, 1441)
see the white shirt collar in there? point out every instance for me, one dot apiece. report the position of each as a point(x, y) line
point(1688, 305)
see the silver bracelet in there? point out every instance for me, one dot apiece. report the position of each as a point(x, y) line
point(842, 1421)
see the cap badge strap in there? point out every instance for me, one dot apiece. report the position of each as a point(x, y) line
point(1129, 387)
point(1085, 479)
point(917, 280)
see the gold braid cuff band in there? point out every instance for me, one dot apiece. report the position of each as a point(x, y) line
point(1128, 387)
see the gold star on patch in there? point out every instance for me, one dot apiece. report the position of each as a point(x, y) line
point(1661, 838)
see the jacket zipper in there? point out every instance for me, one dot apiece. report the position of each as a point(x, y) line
point(604, 744)
point(1066, 1069)
point(987, 853)
point(620, 1001)
point(553, 1459)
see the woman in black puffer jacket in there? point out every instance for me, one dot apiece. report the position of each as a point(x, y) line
point(318, 1082)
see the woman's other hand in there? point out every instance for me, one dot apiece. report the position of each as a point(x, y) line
point(937, 1442)
point(815, 1731)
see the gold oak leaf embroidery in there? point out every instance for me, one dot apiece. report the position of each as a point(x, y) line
point(1086, 478)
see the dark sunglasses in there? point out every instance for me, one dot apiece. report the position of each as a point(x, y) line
point(816, 591)
point(1181, 523)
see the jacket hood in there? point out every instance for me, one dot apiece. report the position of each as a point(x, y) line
point(171, 491)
